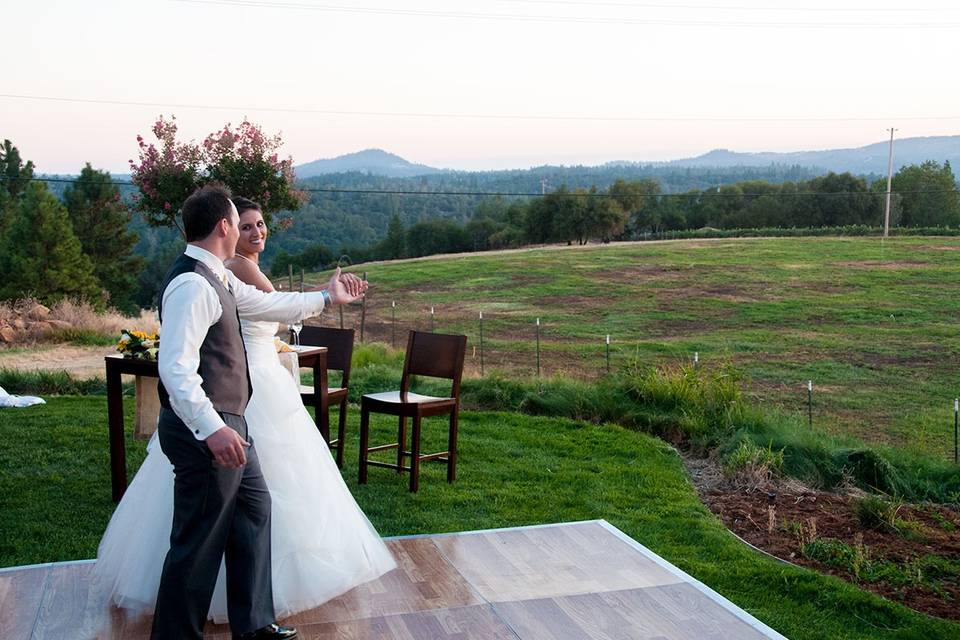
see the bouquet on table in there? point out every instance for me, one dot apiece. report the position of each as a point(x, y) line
point(138, 344)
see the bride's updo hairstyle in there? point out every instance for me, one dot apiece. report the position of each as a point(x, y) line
point(204, 209)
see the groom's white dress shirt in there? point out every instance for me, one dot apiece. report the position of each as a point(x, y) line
point(190, 307)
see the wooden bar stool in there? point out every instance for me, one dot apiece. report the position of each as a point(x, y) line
point(435, 355)
point(339, 344)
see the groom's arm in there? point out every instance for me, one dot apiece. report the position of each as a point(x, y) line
point(190, 308)
point(275, 306)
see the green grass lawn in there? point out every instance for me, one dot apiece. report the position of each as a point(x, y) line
point(515, 470)
point(876, 326)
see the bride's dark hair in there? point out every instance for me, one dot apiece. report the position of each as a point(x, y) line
point(244, 204)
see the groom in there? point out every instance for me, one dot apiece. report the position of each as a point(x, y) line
point(221, 502)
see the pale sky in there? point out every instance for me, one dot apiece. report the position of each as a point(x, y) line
point(593, 81)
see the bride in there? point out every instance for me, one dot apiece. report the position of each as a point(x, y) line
point(322, 544)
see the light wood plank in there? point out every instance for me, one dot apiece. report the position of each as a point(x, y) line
point(678, 611)
point(67, 610)
point(21, 593)
point(463, 623)
point(543, 562)
point(422, 580)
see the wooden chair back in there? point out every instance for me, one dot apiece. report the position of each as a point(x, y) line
point(436, 355)
point(339, 344)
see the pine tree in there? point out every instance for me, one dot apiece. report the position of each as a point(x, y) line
point(16, 175)
point(394, 245)
point(100, 221)
point(41, 255)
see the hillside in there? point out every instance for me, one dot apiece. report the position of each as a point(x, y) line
point(373, 161)
point(867, 322)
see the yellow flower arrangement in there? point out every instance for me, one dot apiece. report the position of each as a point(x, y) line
point(138, 344)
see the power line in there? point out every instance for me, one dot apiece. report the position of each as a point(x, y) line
point(432, 13)
point(705, 7)
point(522, 194)
point(475, 116)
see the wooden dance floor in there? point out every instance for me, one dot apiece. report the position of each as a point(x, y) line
point(583, 580)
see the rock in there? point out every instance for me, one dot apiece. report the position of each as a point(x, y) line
point(8, 335)
point(41, 327)
point(38, 312)
point(59, 324)
point(18, 324)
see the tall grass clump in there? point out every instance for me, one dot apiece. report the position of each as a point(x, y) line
point(53, 383)
point(753, 466)
point(708, 405)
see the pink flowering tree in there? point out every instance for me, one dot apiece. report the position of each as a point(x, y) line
point(244, 159)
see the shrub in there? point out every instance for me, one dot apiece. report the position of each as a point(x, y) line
point(874, 512)
point(854, 559)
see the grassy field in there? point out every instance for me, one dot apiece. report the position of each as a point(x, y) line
point(873, 324)
point(515, 470)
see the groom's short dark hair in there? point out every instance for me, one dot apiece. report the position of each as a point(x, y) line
point(204, 209)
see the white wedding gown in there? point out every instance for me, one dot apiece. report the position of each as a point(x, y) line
point(322, 543)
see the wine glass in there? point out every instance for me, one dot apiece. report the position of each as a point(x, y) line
point(296, 328)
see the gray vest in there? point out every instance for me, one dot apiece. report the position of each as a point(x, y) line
point(223, 357)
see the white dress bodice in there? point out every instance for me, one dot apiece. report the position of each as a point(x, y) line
point(258, 339)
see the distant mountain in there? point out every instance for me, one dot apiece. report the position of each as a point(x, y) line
point(373, 161)
point(861, 161)
point(871, 159)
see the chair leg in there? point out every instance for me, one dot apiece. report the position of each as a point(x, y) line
point(452, 448)
point(401, 443)
point(323, 414)
point(364, 443)
point(415, 456)
point(341, 431)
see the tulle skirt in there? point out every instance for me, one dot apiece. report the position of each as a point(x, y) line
point(322, 544)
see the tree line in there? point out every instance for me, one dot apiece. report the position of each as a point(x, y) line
point(924, 196)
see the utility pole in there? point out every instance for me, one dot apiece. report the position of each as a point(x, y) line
point(886, 216)
point(543, 186)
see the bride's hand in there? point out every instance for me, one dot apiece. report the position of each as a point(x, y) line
point(346, 287)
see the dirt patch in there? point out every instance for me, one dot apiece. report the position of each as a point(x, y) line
point(783, 516)
point(821, 287)
point(81, 362)
point(647, 273)
point(878, 264)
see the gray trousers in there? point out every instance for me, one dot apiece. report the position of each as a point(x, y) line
point(218, 514)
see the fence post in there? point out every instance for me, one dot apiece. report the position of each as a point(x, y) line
point(363, 310)
point(956, 412)
point(393, 323)
point(608, 354)
point(538, 348)
point(431, 320)
point(481, 344)
point(290, 275)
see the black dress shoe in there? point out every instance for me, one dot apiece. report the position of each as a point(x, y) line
point(269, 632)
